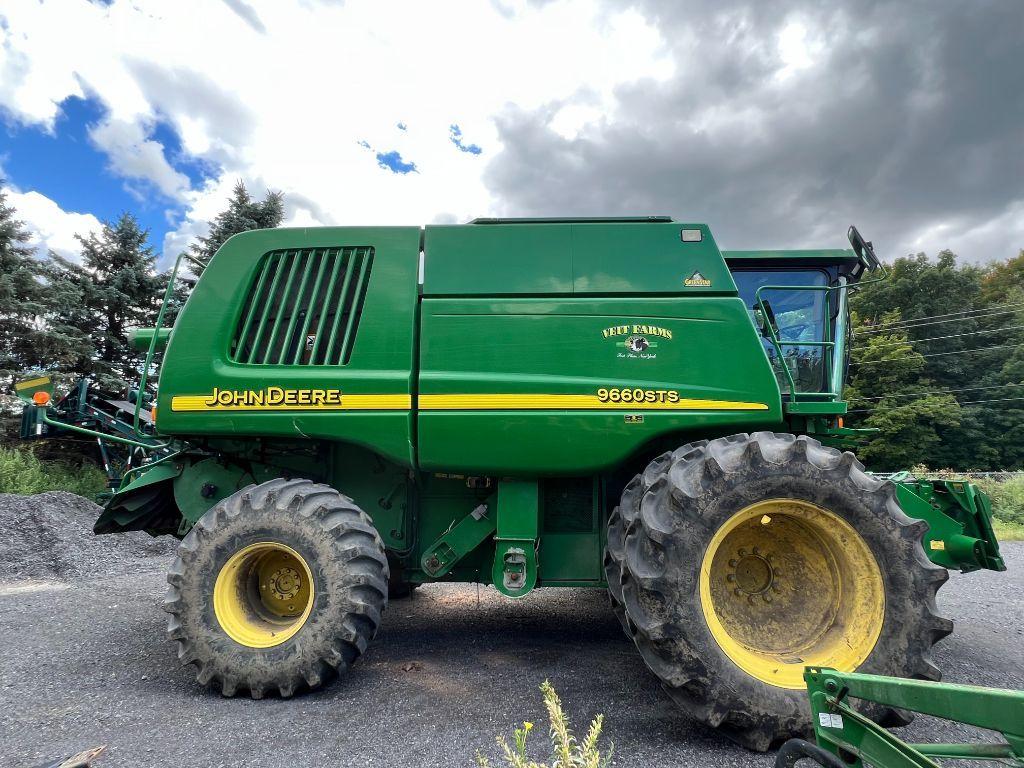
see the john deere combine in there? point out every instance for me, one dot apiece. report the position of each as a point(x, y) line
point(346, 413)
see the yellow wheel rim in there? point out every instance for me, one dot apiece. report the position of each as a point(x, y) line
point(263, 595)
point(784, 584)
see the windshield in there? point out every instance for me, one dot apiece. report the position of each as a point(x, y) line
point(799, 315)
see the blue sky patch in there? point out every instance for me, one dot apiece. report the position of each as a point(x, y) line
point(66, 167)
point(393, 162)
point(455, 134)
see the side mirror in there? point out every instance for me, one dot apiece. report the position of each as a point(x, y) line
point(864, 250)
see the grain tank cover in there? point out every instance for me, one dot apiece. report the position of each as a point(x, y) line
point(509, 257)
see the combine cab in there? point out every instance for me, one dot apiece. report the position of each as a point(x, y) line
point(346, 413)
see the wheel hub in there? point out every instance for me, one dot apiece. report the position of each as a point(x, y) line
point(284, 583)
point(753, 574)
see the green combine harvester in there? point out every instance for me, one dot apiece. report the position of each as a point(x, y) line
point(344, 414)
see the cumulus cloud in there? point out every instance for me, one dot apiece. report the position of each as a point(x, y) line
point(779, 123)
point(291, 105)
point(786, 122)
point(52, 227)
point(134, 156)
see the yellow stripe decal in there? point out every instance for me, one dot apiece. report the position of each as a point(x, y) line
point(499, 402)
point(348, 403)
point(476, 402)
point(32, 383)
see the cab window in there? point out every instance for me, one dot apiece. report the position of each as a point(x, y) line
point(799, 315)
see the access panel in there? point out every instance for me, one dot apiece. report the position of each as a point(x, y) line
point(572, 385)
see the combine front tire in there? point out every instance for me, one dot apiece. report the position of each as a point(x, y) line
point(277, 588)
point(747, 558)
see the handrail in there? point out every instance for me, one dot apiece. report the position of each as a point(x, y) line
point(152, 342)
point(101, 435)
point(839, 347)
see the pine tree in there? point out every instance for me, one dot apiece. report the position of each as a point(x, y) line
point(242, 214)
point(20, 294)
point(119, 289)
point(28, 340)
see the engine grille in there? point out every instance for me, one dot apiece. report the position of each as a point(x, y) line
point(304, 307)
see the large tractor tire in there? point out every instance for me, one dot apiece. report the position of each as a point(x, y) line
point(279, 587)
point(748, 557)
point(621, 519)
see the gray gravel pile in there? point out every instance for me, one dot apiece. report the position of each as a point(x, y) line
point(49, 536)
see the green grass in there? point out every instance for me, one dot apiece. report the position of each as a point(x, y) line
point(1007, 506)
point(1007, 498)
point(1008, 531)
point(21, 471)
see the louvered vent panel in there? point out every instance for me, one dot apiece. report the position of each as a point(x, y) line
point(304, 307)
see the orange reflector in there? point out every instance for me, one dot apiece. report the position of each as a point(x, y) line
point(41, 398)
point(840, 422)
point(152, 414)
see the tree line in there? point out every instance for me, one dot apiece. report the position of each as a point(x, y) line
point(72, 317)
point(937, 365)
point(936, 356)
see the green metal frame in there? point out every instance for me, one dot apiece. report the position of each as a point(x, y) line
point(959, 517)
point(485, 372)
point(857, 741)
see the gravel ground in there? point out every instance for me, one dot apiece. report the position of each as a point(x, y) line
point(49, 536)
point(84, 663)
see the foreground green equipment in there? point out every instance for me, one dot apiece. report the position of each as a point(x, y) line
point(847, 739)
point(348, 413)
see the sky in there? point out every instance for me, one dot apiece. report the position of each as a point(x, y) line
point(777, 123)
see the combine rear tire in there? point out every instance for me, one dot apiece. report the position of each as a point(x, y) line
point(277, 588)
point(747, 558)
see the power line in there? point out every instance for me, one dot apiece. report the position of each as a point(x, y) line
point(996, 400)
point(951, 336)
point(914, 320)
point(965, 402)
point(940, 392)
point(910, 325)
point(940, 354)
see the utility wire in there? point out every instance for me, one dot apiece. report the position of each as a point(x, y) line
point(940, 354)
point(938, 392)
point(965, 402)
point(951, 336)
point(894, 328)
point(914, 320)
